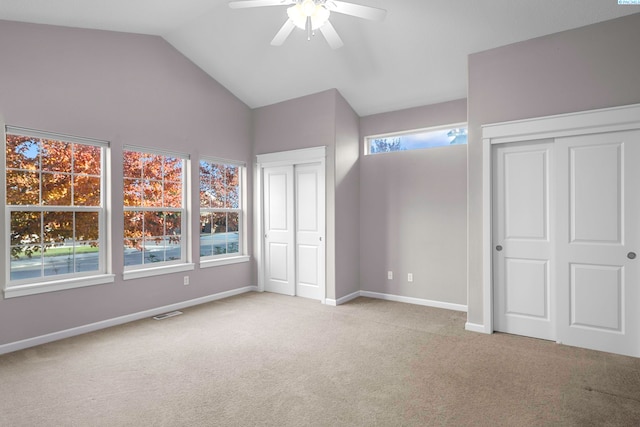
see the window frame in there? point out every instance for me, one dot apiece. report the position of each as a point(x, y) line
point(164, 267)
point(241, 255)
point(43, 284)
point(369, 138)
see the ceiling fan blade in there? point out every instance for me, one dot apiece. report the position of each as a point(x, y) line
point(330, 34)
point(359, 11)
point(284, 32)
point(258, 3)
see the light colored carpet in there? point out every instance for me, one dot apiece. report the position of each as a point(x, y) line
point(270, 360)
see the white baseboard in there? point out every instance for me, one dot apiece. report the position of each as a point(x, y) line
point(348, 298)
point(43, 339)
point(397, 298)
point(342, 300)
point(416, 301)
point(476, 327)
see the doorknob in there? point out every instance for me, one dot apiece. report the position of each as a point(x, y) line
point(498, 248)
point(631, 255)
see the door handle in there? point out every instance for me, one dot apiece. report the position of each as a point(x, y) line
point(498, 248)
point(631, 255)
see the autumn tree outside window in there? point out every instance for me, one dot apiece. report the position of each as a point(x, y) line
point(154, 208)
point(221, 210)
point(54, 210)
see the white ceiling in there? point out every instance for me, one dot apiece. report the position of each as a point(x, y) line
point(416, 56)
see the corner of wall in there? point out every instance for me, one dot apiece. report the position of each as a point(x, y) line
point(347, 198)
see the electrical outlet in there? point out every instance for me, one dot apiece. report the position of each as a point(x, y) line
point(390, 275)
point(410, 277)
point(186, 280)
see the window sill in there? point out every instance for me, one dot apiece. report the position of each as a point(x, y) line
point(224, 261)
point(57, 285)
point(156, 271)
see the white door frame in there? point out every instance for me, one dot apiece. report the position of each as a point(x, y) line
point(282, 158)
point(580, 123)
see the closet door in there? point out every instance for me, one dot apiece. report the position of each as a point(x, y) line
point(523, 239)
point(294, 224)
point(278, 210)
point(598, 238)
point(310, 207)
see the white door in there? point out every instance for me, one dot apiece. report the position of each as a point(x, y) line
point(598, 237)
point(279, 264)
point(523, 239)
point(309, 202)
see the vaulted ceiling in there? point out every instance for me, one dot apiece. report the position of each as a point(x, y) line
point(416, 56)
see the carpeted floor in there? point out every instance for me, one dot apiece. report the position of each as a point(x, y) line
point(262, 359)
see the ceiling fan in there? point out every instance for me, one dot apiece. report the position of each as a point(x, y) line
point(311, 15)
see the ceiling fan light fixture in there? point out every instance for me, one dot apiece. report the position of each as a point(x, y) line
point(299, 12)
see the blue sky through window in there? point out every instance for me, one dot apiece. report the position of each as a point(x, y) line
point(417, 141)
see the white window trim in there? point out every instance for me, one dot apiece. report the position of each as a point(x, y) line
point(77, 280)
point(157, 271)
point(368, 138)
point(167, 267)
point(58, 285)
point(207, 263)
point(242, 255)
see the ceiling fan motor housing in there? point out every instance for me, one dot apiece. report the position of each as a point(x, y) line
point(303, 11)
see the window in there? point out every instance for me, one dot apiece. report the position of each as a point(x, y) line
point(155, 217)
point(54, 211)
point(416, 140)
point(221, 209)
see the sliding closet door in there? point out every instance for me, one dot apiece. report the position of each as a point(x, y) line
point(294, 224)
point(598, 239)
point(523, 239)
point(310, 208)
point(279, 232)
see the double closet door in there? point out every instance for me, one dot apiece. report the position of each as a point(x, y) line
point(294, 224)
point(566, 216)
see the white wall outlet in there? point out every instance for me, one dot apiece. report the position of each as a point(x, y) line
point(390, 275)
point(186, 280)
point(410, 277)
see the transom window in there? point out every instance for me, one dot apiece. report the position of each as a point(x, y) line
point(221, 210)
point(418, 139)
point(54, 207)
point(154, 208)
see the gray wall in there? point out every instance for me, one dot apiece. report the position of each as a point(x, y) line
point(347, 205)
point(304, 122)
point(413, 210)
point(591, 67)
point(127, 89)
